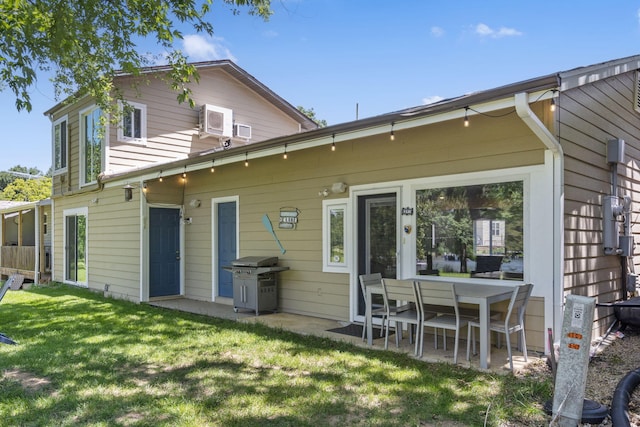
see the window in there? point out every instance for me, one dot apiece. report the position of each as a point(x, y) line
point(60, 145)
point(133, 123)
point(91, 145)
point(75, 246)
point(334, 241)
point(471, 231)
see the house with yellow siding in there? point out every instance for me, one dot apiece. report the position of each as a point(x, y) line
point(503, 186)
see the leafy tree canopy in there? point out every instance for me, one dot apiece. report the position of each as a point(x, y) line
point(85, 43)
point(312, 115)
point(7, 177)
point(27, 190)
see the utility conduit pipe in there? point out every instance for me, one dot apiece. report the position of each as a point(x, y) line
point(621, 398)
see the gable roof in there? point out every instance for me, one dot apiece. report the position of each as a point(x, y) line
point(239, 74)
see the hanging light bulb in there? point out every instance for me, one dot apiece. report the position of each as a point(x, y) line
point(333, 143)
point(553, 105)
point(144, 187)
point(246, 159)
point(213, 169)
point(285, 156)
point(466, 117)
point(392, 135)
point(160, 178)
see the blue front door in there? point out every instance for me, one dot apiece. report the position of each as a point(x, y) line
point(164, 252)
point(227, 249)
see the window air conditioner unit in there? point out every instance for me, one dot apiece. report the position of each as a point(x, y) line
point(242, 131)
point(215, 120)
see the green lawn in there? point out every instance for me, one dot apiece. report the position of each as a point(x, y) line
point(86, 360)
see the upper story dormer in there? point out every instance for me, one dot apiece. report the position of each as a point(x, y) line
point(232, 109)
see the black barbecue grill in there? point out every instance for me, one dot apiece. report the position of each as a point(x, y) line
point(255, 284)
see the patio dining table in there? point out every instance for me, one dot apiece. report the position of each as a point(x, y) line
point(479, 294)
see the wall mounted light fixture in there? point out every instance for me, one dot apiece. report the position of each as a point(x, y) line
point(128, 192)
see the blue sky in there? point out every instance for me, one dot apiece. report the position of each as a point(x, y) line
point(331, 55)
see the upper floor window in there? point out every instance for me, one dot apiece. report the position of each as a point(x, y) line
point(471, 231)
point(60, 145)
point(133, 122)
point(92, 136)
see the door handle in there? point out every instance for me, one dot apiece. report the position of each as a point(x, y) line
point(178, 255)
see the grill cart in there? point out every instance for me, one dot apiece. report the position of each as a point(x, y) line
point(255, 284)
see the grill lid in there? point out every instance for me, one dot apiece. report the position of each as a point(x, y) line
point(255, 261)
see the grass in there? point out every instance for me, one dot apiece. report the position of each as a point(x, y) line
point(83, 359)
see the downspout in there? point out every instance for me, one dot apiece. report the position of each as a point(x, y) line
point(36, 275)
point(553, 145)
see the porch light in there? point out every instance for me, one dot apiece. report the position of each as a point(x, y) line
point(128, 192)
point(213, 169)
point(466, 117)
point(333, 142)
point(144, 187)
point(246, 159)
point(392, 135)
point(285, 156)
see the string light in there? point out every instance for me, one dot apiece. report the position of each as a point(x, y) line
point(392, 135)
point(160, 179)
point(285, 156)
point(246, 159)
point(333, 143)
point(213, 169)
point(184, 174)
point(144, 187)
point(466, 117)
point(553, 105)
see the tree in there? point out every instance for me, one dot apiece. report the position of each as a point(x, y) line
point(87, 42)
point(312, 115)
point(27, 190)
point(15, 172)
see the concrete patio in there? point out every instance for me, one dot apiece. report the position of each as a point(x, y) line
point(306, 325)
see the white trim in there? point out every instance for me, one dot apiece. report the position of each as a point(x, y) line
point(64, 118)
point(82, 211)
point(395, 187)
point(328, 265)
point(538, 247)
point(143, 124)
point(215, 201)
point(144, 248)
point(81, 114)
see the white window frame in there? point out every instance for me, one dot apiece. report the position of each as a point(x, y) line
point(103, 144)
point(143, 123)
point(63, 119)
point(82, 211)
point(329, 265)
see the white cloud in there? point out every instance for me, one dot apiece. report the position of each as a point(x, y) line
point(484, 30)
point(437, 31)
point(199, 48)
point(431, 99)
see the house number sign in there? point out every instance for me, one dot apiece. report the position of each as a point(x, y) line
point(407, 211)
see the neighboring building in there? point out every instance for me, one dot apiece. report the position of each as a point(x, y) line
point(25, 239)
point(396, 193)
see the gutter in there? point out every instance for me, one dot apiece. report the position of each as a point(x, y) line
point(553, 145)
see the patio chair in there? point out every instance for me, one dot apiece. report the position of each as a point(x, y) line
point(393, 292)
point(3, 338)
point(510, 324)
point(377, 310)
point(432, 294)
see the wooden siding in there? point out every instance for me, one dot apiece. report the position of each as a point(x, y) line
point(113, 241)
point(172, 128)
point(268, 184)
point(588, 117)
